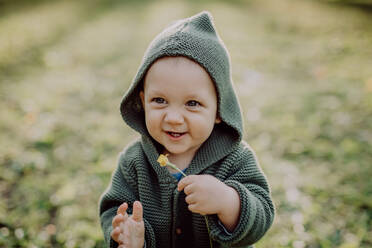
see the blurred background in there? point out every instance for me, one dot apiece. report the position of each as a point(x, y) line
point(303, 73)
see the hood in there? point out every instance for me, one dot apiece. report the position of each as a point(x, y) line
point(195, 38)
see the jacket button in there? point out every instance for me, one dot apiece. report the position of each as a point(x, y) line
point(178, 231)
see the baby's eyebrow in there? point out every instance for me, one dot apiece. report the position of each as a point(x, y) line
point(196, 97)
point(193, 96)
point(155, 92)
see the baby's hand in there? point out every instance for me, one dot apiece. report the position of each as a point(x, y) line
point(208, 195)
point(205, 194)
point(128, 231)
point(118, 222)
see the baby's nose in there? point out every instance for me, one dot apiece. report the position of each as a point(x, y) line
point(173, 117)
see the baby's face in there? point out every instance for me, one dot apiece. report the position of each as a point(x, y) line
point(180, 105)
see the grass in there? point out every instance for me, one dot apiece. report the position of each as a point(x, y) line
point(302, 71)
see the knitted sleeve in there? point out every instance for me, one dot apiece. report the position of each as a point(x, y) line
point(122, 189)
point(257, 209)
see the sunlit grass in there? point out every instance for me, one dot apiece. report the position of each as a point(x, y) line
point(302, 73)
point(36, 26)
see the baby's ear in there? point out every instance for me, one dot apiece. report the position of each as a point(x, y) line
point(218, 120)
point(142, 96)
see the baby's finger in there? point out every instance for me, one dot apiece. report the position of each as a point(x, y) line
point(137, 211)
point(123, 208)
point(190, 199)
point(121, 239)
point(117, 220)
point(195, 209)
point(115, 234)
point(139, 229)
point(185, 181)
point(188, 189)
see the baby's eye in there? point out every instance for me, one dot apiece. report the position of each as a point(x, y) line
point(193, 103)
point(158, 100)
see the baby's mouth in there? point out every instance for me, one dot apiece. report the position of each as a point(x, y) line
point(175, 134)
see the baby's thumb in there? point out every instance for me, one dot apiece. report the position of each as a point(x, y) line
point(115, 234)
point(137, 211)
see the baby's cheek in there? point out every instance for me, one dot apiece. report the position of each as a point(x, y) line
point(152, 122)
point(202, 128)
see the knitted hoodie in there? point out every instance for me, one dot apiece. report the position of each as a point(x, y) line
point(223, 155)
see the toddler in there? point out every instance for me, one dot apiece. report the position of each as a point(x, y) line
point(183, 104)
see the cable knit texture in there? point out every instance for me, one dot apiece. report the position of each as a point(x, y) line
point(223, 155)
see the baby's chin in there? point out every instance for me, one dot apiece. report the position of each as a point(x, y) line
point(174, 151)
point(179, 151)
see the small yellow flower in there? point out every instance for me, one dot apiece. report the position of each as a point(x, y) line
point(163, 160)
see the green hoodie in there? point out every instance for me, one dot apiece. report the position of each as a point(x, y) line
point(223, 155)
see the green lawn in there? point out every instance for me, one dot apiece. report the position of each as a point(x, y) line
point(303, 72)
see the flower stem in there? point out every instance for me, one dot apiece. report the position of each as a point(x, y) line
point(173, 166)
point(209, 231)
point(163, 161)
point(205, 217)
